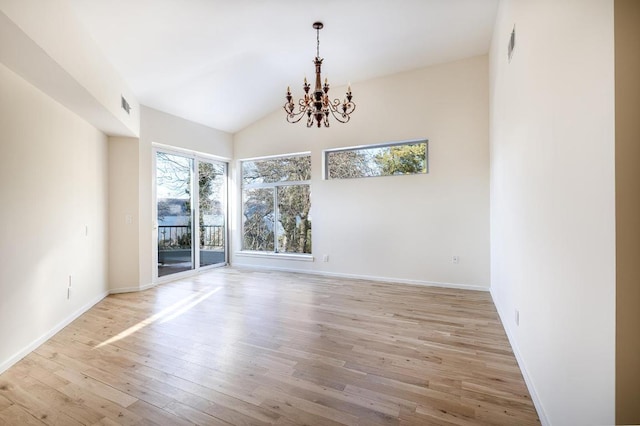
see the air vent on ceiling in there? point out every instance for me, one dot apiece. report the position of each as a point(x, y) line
point(125, 104)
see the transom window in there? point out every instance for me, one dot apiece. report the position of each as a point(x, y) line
point(276, 204)
point(389, 159)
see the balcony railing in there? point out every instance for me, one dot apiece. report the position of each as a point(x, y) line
point(179, 236)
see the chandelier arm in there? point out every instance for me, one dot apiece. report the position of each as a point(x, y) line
point(291, 118)
point(339, 113)
point(292, 115)
point(338, 104)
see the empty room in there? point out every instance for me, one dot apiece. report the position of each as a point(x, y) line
point(351, 212)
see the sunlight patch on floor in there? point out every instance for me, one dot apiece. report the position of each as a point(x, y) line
point(164, 315)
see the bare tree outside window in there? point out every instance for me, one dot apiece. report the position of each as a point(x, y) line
point(276, 204)
point(173, 180)
point(258, 221)
point(392, 159)
point(278, 169)
point(293, 218)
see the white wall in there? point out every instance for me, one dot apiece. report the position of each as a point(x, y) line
point(53, 220)
point(132, 242)
point(162, 128)
point(124, 269)
point(45, 43)
point(552, 202)
point(403, 228)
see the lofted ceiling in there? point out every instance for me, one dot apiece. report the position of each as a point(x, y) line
point(227, 63)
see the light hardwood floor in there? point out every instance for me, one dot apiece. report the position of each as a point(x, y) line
point(247, 347)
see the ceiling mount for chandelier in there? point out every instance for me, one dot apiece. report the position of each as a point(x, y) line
point(317, 106)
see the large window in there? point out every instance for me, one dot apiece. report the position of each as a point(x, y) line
point(399, 158)
point(276, 204)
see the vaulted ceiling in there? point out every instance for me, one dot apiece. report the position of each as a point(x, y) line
point(226, 64)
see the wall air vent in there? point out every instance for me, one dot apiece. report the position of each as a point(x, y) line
point(125, 105)
point(512, 44)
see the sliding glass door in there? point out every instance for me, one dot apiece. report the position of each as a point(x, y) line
point(174, 184)
point(212, 212)
point(191, 212)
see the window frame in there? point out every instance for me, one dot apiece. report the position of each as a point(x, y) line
point(274, 185)
point(327, 152)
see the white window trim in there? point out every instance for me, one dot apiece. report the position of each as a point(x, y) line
point(189, 153)
point(276, 184)
point(305, 257)
point(272, 157)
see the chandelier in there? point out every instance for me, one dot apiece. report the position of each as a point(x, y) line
point(317, 106)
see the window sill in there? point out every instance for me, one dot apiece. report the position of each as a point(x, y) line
point(283, 256)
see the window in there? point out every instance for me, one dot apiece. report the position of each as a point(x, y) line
point(399, 158)
point(276, 204)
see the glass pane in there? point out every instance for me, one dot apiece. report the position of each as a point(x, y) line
point(350, 164)
point(257, 219)
point(211, 196)
point(281, 169)
point(294, 220)
point(390, 160)
point(173, 189)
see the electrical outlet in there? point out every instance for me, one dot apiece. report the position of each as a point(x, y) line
point(517, 317)
point(325, 258)
point(455, 259)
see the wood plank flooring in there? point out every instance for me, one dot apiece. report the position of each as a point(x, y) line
point(246, 347)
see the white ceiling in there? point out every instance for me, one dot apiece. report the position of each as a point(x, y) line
point(227, 63)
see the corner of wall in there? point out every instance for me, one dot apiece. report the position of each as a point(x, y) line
point(124, 215)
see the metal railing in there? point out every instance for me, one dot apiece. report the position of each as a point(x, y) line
point(179, 236)
point(212, 235)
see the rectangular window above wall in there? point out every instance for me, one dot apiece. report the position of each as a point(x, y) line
point(276, 204)
point(389, 159)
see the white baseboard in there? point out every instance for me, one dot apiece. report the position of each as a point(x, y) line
point(34, 345)
point(527, 379)
point(366, 277)
point(131, 289)
point(147, 286)
point(166, 279)
point(40, 340)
